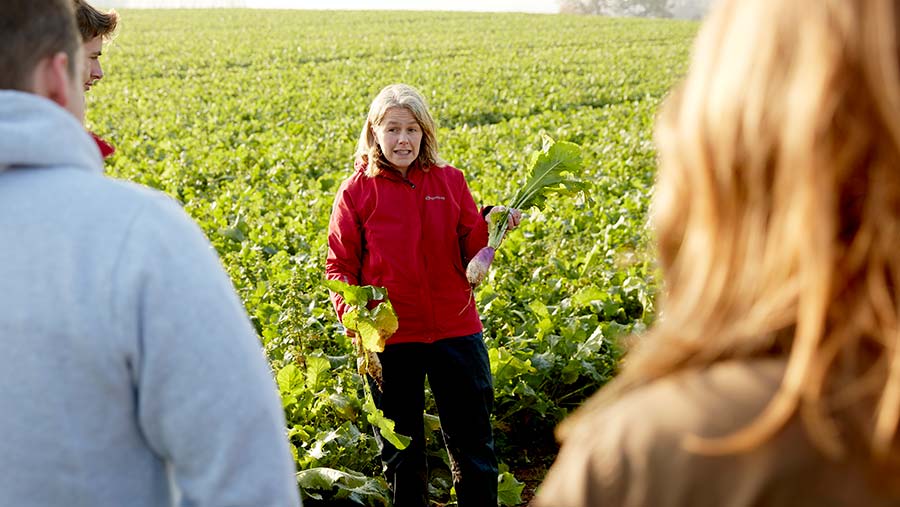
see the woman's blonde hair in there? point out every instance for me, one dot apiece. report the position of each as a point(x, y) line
point(368, 152)
point(777, 210)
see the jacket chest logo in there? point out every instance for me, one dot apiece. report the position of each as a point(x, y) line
point(435, 198)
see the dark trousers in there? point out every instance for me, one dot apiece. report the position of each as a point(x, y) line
point(459, 374)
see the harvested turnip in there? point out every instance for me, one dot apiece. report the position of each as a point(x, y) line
point(553, 171)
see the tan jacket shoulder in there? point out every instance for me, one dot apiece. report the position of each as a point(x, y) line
point(631, 453)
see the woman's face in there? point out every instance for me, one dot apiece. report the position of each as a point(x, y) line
point(400, 137)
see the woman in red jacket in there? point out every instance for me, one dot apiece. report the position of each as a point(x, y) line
point(405, 220)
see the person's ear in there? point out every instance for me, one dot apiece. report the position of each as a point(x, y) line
point(52, 80)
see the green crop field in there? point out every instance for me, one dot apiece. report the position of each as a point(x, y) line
point(250, 119)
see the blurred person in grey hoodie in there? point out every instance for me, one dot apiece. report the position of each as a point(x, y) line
point(130, 374)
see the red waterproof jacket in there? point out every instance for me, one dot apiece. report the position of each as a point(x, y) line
point(415, 237)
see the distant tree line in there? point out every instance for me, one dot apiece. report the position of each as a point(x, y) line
point(648, 8)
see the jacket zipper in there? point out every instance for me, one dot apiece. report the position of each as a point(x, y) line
point(427, 303)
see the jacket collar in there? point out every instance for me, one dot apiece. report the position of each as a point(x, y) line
point(35, 132)
point(412, 174)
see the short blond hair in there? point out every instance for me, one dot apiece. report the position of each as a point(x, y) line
point(404, 96)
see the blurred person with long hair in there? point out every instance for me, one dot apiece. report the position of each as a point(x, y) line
point(772, 376)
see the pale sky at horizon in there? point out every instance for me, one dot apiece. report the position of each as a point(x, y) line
point(535, 6)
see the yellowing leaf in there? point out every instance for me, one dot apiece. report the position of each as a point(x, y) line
point(373, 326)
point(385, 319)
point(371, 338)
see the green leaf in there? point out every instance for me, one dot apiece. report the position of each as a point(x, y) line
point(539, 309)
point(233, 233)
point(353, 295)
point(509, 489)
point(432, 423)
point(290, 380)
point(590, 259)
point(587, 295)
point(386, 426)
point(554, 170)
point(344, 405)
point(350, 320)
point(374, 326)
point(330, 484)
point(505, 367)
point(315, 367)
point(571, 372)
point(318, 478)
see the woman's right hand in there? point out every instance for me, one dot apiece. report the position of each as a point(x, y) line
point(515, 216)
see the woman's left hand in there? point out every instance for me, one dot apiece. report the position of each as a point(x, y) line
point(515, 216)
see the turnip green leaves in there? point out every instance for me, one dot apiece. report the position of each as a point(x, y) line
point(372, 327)
point(554, 170)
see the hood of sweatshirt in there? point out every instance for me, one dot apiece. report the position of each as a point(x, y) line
point(35, 132)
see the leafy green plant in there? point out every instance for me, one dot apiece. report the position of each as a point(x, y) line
point(373, 327)
point(553, 172)
point(509, 490)
point(319, 484)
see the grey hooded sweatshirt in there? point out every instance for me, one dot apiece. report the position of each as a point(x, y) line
point(129, 373)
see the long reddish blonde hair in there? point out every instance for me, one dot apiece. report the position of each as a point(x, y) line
point(777, 214)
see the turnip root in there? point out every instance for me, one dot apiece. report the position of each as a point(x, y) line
point(367, 363)
point(479, 265)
